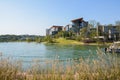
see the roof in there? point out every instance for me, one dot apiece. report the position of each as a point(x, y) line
point(79, 19)
point(54, 26)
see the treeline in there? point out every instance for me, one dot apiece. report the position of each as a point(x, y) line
point(27, 38)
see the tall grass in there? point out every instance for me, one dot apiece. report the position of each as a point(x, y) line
point(103, 67)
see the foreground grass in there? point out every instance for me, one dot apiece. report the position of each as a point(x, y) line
point(104, 67)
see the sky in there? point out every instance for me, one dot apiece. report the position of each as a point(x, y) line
point(33, 17)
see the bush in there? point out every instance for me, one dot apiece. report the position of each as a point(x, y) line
point(78, 38)
point(49, 39)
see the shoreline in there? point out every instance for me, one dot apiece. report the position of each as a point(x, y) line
point(67, 42)
point(90, 44)
point(63, 41)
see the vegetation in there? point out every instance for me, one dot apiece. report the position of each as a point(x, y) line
point(65, 34)
point(83, 33)
point(118, 24)
point(104, 67)
point(49, 39)
point(38, 39)
point(27, 38)
point(67, 41)
point(87, 34)
point(91, 33)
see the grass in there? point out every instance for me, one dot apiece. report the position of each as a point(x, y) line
point(104, 67)
point(65, 41)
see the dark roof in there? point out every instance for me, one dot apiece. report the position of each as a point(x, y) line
point(54, 26)
point(79, 19)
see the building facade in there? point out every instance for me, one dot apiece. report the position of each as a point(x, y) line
point(69, 27)
point(79, 24)
point(106, 32)
point(53, 30)
point(109, 32)
point(76, 25)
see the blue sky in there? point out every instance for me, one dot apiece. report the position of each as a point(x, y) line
point(34, 16)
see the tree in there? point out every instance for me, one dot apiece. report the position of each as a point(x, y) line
point(28, 39)
point(83, 32)
point(49, 39)
point(92, 23)
point(100, 30)
point(118, 25)
point(71, 34)
point(64, 34)
point(38, 39)
point(93, 34)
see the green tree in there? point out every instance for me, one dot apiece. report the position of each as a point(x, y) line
point(49, 39)
point(38, 39)
point(92, 34)
point(117, 23)
point(118, 28)
point(78, 38)
point(28, 39)
point(83, 33)
point(60, 34)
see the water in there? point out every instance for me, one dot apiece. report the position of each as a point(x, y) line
point(28, 52)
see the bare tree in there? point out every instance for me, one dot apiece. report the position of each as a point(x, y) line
point(117, 23)
point(93, 23)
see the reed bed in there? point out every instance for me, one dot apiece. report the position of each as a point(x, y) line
point(102, 67)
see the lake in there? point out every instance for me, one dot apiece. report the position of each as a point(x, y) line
point(28, 52)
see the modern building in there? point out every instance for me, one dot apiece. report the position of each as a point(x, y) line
point(69, 27)
point(76, 25)
point(53, 30)
point(79, 24)
point(106, 32)
point(110, 32)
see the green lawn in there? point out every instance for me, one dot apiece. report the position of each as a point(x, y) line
point(65, 41)
point(74, 42)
